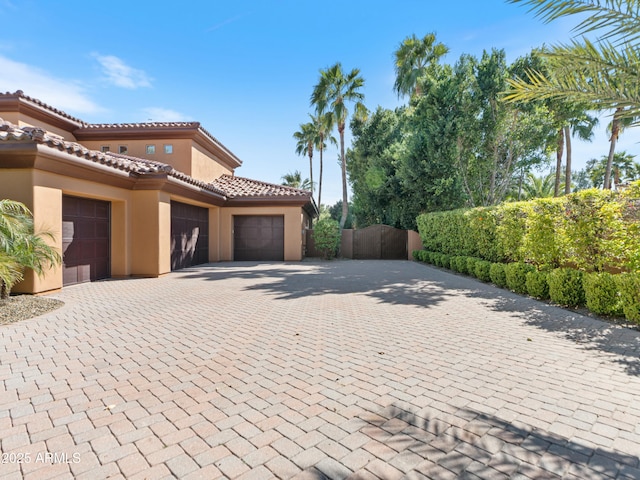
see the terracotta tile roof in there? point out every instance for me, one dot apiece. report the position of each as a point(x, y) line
point(240, 187)
point(11, 132)
point(140, 166)
point(142, 125)
point(41, 104)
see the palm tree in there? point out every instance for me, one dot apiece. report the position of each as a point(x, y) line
point(324, 125)
point(603, 73)
point(294, 180)
point(538, 187)
point(20, 247)
point(412, 59)
point(623, 167)
point(332, 93)
point(619, 123)
point(307, 139)
point(581, 124)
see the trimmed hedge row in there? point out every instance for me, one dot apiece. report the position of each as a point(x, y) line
point(591, 230)
point(602, 293)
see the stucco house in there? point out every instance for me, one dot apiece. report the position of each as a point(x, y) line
point(139, 199)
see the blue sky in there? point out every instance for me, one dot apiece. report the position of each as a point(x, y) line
point(244, 69)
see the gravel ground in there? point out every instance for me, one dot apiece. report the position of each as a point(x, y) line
point(22, 307)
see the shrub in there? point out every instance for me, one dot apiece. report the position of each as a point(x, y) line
point(460, 264)
point(482, 270)
point(565, 287)
point(417, 255)
point(496, 272)
point(601, 293)
point(629, 288)
point(516, 276)
point(326, 235)
point(445, 261)
point(471, 265)
point(537, 284)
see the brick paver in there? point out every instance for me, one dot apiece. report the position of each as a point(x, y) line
point(344, 369)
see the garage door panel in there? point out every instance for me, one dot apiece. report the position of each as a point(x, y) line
point(85, 240)
point(189, 235)
point(259, 237)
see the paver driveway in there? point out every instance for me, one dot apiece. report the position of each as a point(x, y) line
point(345, 369)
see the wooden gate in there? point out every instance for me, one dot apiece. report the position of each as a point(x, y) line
point(380, 242)
point(377, 242)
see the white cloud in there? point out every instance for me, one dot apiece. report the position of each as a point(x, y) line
point(65, 94)
point(120, 74)
point(156, 114)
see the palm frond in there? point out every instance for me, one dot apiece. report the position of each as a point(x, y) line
point(596, 73)
point(615, 20)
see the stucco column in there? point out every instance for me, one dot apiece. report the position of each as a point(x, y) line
point(214, 235)
point(151, 233)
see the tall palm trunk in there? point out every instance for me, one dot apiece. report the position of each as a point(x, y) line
point(345, 205)
point(615, 132)
point(567, 174)
point(320, 180)
point(311, 167)
point(559, 152)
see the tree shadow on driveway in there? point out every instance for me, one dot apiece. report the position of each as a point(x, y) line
point(414, 284)
point(472, 444)
point(392, 282)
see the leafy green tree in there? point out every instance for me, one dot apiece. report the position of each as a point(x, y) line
point(413, 59)
point(335, 212)
point(294, 179)
point(20, 247)
point(333, 93)
point(497, 141)
point(602, 73)
point(306, 140)
point(372, 167)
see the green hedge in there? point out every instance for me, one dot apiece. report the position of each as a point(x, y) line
point(537, 284)
point(629, 288)
point(516, 276)
point(483, 270)
point(565, 287)
point(601, 294)
point(498, 275)
point(591, 230)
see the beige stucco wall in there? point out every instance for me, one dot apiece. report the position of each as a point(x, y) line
point(180, 159)
point(293, 229)
point(204, 167)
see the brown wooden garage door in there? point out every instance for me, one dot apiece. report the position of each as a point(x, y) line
point(258, 237)
point(85, 239)
point(189, 235)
